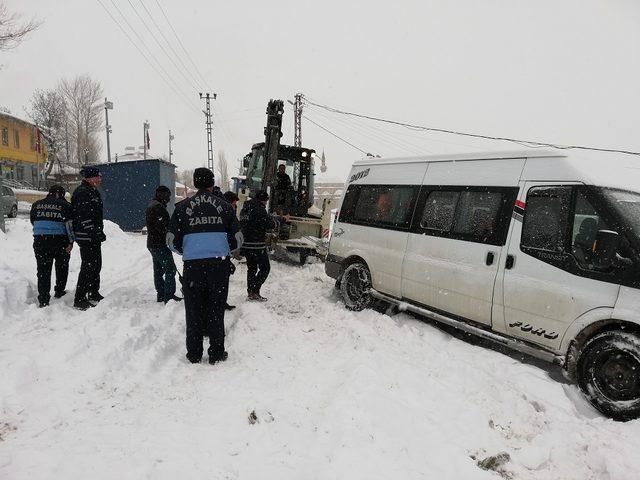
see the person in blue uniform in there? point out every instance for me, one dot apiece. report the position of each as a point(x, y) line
point(205, 231)
point(51, 218)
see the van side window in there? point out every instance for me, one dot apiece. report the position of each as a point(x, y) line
point(477, 214)
point(471, 213)
point(383, 206)
point(439, 210)
point(546, 219)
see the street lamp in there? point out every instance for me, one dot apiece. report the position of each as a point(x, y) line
point(108, 106)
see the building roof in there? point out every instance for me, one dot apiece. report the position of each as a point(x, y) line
point(6, 116)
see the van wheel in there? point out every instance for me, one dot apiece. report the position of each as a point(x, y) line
point(355, 286)
point(609, 374)
point(14, 212)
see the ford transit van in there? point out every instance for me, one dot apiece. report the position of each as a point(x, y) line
point(537, 250)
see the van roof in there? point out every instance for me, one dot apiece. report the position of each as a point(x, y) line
point(607, 169)
point(460, 157)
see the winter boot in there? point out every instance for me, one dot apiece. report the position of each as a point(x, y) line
point(82, 304)
point(219, 358)
point(256, 297)
point(95, 297)
point(60, 294)
point(229, 307)
point(174, 298)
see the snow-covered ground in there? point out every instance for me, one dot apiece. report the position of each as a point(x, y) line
point(108, 393)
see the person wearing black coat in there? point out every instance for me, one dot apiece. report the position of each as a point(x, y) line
point(254, 222)
point(51, 218)
point(204, 229)
point(164, 268)
point(88, 229)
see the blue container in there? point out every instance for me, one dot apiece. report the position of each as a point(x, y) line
point(127, 188)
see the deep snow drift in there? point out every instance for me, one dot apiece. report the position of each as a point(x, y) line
point(337, 395)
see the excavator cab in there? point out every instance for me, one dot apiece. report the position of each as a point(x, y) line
point(291, 185)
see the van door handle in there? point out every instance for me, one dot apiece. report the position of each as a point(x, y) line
point(511, 260)
point(490, 257)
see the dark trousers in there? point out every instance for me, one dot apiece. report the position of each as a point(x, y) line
point(205, 285)
point(164, 273)
point(258, 268)
point(91, 264)
point(50, 248)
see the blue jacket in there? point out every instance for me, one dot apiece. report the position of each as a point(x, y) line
point(204, 226)
point(52, 216)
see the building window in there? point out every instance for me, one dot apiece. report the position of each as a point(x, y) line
point(32, 140)
point(16, 138)
point(5, 136)
point(34, 175)
point(8, 172)
point(20, 173)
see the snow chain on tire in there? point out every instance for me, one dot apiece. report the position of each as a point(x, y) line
point(608, 372)
point(355, 287)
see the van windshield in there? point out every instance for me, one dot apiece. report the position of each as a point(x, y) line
point(627, 204)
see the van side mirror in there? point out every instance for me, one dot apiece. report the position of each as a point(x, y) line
point(605, 248)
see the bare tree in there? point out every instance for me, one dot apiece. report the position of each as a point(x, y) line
point(12, 31)
point(47, 110)
point(186, 177)
point(83, 97)
point(223, 170)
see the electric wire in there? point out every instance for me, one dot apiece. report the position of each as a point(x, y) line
point(376, 135)
point(415, 135)
point(182, 45)
point(526, 143)
point(155, 39)
point(142, 42)
point(337, 136)
point(194, 81)
point(154, 68)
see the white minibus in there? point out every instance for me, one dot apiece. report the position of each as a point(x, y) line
point(537, 250)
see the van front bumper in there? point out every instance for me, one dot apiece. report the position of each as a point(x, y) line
point(333, 266)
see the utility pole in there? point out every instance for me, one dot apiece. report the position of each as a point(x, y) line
point(171, 137)
point(297, 120)
point(2, 228)
point(108, 106)
point(145, 143)
point(207, 113)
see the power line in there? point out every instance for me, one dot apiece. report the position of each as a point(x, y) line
point(174, 84)
point(155, 39)
point(182, 45)
point(160, 74)
point(337, 136)
point(376, 134)
point(526, 143)
point(195, 81)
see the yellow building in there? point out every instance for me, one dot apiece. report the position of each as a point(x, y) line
point(22, 154)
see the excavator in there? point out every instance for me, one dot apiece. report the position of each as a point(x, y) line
point(305, 226)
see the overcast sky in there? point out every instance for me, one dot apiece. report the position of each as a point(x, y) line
point(551, 70)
